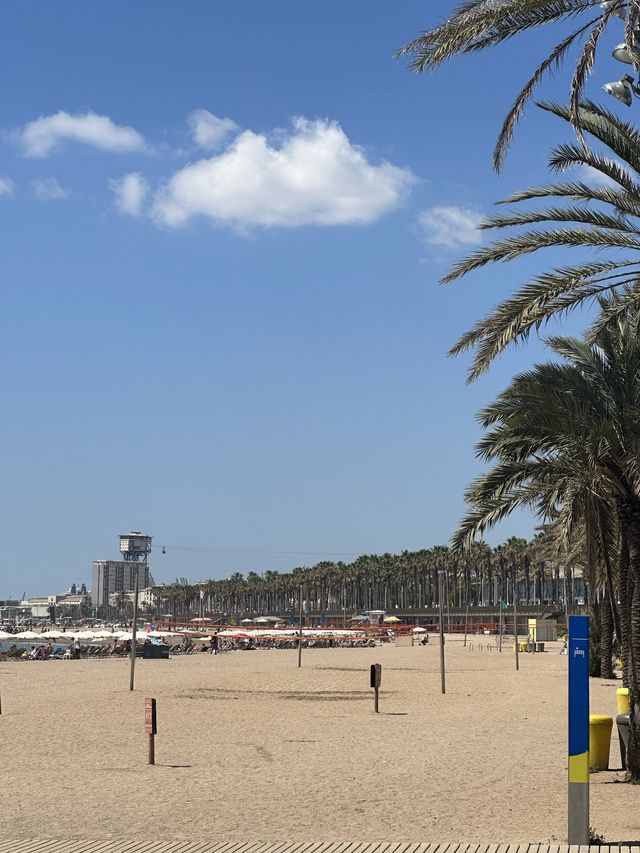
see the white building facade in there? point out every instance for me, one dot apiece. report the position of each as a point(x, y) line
point(111, 576)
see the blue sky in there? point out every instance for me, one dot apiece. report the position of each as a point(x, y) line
point(231, 334)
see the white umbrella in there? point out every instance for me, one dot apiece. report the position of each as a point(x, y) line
point(418, 630)
point(28, 635)
point(5, 636)
point(262, 621)
point(246, 621)
point(54, 635)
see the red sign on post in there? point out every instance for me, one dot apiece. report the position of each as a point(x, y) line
point(150, 722)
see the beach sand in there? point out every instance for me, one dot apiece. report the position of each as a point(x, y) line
point(250, 747)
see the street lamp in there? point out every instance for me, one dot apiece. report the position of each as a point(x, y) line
point(623, 90)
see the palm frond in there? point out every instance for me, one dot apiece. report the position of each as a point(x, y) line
point(527, 242)
point(584, 215)
point(583, 69)
point(621, 199)
point(621, 137)
point(476, 26)
point(553, 60)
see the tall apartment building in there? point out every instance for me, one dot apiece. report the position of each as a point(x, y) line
point(109, 576)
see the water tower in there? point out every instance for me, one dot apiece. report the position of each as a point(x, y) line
point(135, 546)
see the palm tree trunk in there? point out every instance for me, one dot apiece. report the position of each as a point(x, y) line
point(630, 515)
point(606, 637)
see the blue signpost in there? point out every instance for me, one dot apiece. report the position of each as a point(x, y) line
point(578, 729)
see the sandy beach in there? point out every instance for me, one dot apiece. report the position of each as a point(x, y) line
point(250, 747)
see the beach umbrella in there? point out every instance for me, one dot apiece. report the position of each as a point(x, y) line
point(391, 619)
point(5, 636)
point(246, 621)
point(262, 621)
point(418, 630)
point(28, 635)
point(54, 635)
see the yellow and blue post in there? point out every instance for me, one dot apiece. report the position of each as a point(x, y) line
point(578, 729)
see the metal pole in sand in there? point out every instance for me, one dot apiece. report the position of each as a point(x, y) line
point(466, 622)
point(578, 801)
point(442, 678)
point(500, 625)
point(515, 622)
point(133, 632)
point(300, 634)
point(446, 578)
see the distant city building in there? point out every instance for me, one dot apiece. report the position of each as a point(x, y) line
point(146, 597)
point(44, 606)
point(111, 576)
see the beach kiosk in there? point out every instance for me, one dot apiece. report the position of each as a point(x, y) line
point(376, 617)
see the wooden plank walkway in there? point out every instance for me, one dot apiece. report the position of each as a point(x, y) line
point(31, 845)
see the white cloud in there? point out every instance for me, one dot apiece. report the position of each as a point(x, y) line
point(40, 137)
point(595, 177)
point(208, 130)
point(6, 186)
point(313, 176)
point(130, 192)
point(48, 189)
point(450, 226)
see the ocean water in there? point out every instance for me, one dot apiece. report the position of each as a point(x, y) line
point(26, 645)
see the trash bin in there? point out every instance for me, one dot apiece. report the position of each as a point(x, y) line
point(622, 695)
point(599, 741)
point(539, 647)
point(622, 721)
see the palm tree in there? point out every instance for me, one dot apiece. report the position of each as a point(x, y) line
point(607, 217)
point(478, 25)
point(565, 439)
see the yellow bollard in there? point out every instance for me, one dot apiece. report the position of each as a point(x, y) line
point(599, 741)
point(622, 695)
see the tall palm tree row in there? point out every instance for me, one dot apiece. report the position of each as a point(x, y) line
point(564, 440)
point(405, 581)
point(479, 25)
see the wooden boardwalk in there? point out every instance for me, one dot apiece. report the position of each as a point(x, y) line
point(133, 846)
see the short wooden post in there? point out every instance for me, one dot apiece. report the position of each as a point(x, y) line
point(151, 726)
point(375, 679)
